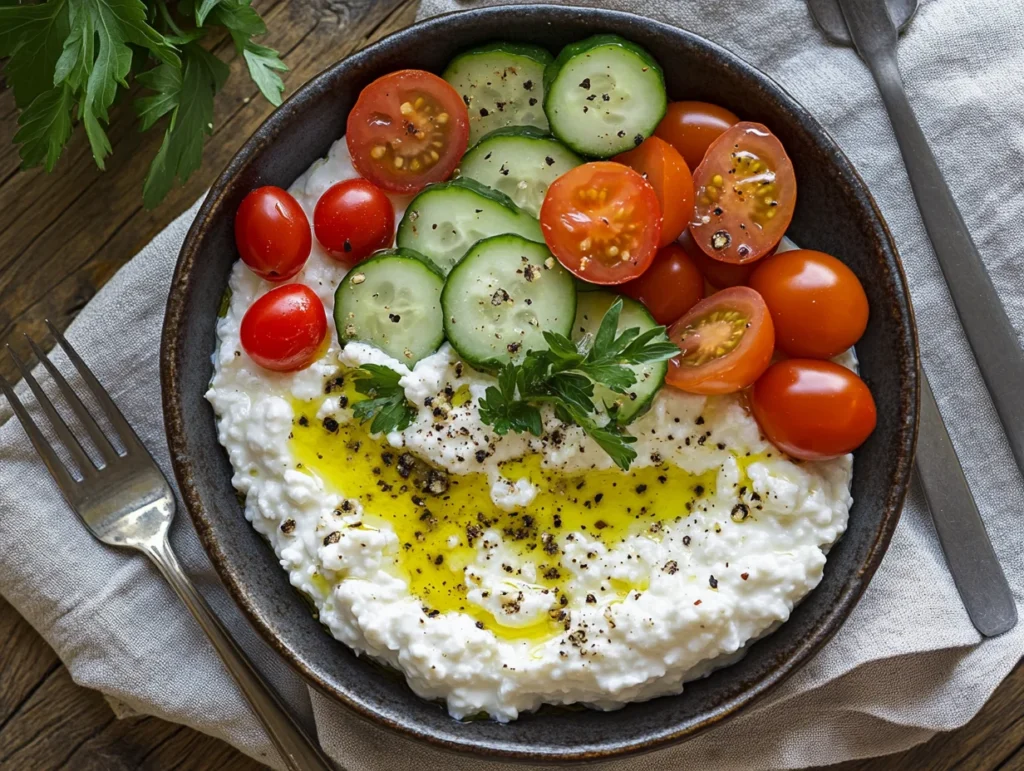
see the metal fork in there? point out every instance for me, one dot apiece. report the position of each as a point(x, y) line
point(127, 502)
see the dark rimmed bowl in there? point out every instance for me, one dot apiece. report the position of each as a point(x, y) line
point(835, 214)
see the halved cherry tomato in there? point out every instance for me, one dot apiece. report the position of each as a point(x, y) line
point(813, 410)
point(407, 129)
point(670, 287)
point(746, 193)
point(353, 219)
point(272, 233)
point(726, 342)
point(284, 330)
point(662, 165)
point(721, 275)
point(691, 127)
point(817, 304)
point(602, 221)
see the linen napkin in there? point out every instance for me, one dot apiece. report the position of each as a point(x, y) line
point(906, 664)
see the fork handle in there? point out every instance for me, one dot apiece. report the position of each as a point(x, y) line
point(984, 320)
point(300, 751)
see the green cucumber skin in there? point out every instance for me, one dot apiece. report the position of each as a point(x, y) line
point(376, 259)
point(490, 364)
point(570, 52)
point(630, 410)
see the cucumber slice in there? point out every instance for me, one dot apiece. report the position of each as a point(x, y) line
point(393, 302)
point(519, 161)
point(502, 84)
point(500, 299)
point(604, 95)
point(590, 309)
point(445, 220)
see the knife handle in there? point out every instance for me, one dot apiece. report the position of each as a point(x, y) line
point(984, 320)
point(972, 561)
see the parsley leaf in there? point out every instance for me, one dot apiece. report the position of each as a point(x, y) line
point(387, 405)
point(566, 374)
point(68, 60)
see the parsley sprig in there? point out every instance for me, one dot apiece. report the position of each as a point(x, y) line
point(386, 404)
point(566, 375)
point(69, 60)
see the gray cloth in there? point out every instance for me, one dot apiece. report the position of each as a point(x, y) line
point(906, 664)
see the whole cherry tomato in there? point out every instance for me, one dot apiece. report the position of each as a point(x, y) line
point(812, 409)
point(691, 127)
point(662, 165)
point(817, 304)
point(284, 330)
point(272, 233)
point(353, 219)
point(670, 287)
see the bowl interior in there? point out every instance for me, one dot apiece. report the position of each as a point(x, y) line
point(835, 214)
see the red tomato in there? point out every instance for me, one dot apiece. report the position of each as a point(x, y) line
point(813, 410)
point(602, 221)
point(721, 275)
point(662, 166)
point(726, 342)
point(272, 233)
point(691, 127)
point(746, 193)
point(284, 329)
point(670, 287)
point(817, 304)
point(353, 219)
point(407, 129)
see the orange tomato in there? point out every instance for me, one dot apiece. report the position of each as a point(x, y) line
point(662, 165)
point(813, 410)
point(725, 342)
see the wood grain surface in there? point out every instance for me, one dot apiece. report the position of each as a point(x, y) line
point(62, 236)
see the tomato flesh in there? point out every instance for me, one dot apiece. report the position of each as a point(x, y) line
point(407, 130)
point(602, 221)
point(813, 410)
point(746, 192)
point(285, 329)
point(353, 219)
point(691, 127)
point(272, 233)
point(662, 165)
point(818, 305)
point(725, 341)
point(670, 287)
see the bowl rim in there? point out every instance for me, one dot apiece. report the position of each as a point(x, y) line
point(171, 389)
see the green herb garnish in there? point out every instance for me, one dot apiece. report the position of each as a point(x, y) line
point(565, 375)
point(68, 60)
point(386, 404)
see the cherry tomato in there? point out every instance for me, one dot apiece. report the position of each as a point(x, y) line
point(691, 127)
point(353, 219)
point(746, 192)
point(602, 221)
point(272, 233)
point(817, 304)
point(284, 330)
point(670, 287)
point(813, 410)
point(407, 129)
point(721, 275)
point(726, 342)
point(662, 166)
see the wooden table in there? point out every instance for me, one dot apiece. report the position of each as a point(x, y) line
point(61, 238)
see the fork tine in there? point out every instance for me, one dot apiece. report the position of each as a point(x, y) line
point(58, 470)
point(84, 463)
point(129, 438)
point(88, 422)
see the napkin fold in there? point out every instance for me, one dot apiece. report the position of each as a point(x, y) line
point(906, 664)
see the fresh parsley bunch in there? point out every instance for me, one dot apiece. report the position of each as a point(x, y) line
point(565, 376)
point(68, 60)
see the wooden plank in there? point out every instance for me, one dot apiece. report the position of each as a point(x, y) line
point(25, 661)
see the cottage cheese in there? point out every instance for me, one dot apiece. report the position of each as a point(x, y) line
point(540, 573)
